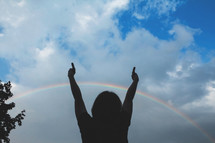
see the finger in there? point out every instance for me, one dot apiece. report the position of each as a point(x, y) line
point(133, 69)
point(73, 66)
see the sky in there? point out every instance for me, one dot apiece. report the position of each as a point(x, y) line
point(170, 42)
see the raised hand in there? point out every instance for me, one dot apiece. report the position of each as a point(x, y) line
point(134, 75)
point(79, 103)
point(71, 71)
point(127, 104)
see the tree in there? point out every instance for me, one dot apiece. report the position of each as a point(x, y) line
point(6, 122)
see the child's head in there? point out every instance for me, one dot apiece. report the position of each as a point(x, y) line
point(107, 106)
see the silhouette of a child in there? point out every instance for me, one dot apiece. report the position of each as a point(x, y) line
point(111, 118)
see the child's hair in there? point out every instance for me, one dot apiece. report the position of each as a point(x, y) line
point(107, 107)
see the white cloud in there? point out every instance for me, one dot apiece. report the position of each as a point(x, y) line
point(183, 34)
point(13, 17)
point(21, 3)
point(158, 7)
point(112, 6)
point(43, 54)
point(205, 103)
point(139, 16)
point(163, 6)
point(84, 20)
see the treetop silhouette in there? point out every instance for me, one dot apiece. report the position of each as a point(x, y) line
point(7, 123)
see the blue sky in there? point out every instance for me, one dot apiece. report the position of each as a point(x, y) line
point(171, 43)
point(200, 16)
point(194, 13)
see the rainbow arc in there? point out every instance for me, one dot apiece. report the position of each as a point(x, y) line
point(118, 87)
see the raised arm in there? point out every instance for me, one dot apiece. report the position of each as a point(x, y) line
point(128, 102)
point(79, 103)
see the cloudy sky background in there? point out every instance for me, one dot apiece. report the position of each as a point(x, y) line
point(171, 43)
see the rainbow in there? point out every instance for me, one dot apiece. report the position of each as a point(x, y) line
point(118, 87)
